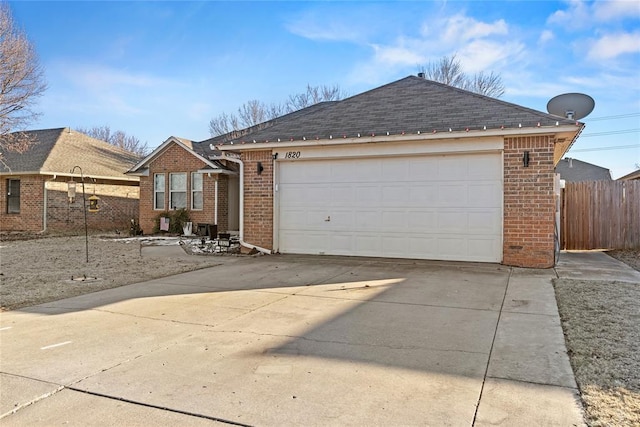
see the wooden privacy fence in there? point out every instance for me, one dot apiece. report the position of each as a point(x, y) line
point(600, 215)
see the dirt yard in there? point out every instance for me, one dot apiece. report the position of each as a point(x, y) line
point(601, 322)
point(40, 270)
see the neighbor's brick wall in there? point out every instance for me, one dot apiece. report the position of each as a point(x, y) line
point(529, 203)
point(118, 204)
point(31, 205)
point(177, 159)
point(258, 198)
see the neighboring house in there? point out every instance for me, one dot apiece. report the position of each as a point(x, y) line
point(34, 184)
point(412, 169)
point(631, 176)
point(179, 175)
point(574, 170)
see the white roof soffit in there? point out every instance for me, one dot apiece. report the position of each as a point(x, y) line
point(382, 137)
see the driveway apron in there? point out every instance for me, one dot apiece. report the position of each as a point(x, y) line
point(296, 340)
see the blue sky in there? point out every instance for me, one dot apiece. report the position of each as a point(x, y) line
point(155, 69)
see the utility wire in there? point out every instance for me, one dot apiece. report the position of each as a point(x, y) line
point(619, 116)
point(612, 132)
point(617, 147)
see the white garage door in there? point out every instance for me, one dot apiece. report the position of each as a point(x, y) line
point(444, 207)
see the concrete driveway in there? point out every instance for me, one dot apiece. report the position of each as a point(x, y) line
point(296, 340)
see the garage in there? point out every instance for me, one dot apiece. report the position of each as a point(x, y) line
point(439, 207)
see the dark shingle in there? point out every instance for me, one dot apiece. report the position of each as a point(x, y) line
point(574, 170)
point(408, 105)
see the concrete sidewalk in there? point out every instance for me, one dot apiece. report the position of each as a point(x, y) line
point(297, 340)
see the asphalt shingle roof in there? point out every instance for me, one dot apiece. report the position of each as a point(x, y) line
point(59, 150)
point(408, 105)
point(574, 170)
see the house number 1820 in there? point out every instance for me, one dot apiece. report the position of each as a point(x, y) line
point(292, 155)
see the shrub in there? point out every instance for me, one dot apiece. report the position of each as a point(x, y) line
point(177, 219)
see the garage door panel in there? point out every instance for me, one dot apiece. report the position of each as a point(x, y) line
point(342, 195)
point(421, 170)
point(368, 195)
point(304, 241)
point(452, 195)
point(483, 222)
point(425, 221)
point(431, 207)
point(395, 170)
point(488, 167)
point(452, 222)
point(422, 194)
point(368, 244)
point(305, 195)
point(452, 168)
point(367, 220)
point(394, 220)
point(395, 195)
point(484, 195)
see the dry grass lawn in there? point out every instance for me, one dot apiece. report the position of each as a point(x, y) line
point(601, 322)
point(41, 270)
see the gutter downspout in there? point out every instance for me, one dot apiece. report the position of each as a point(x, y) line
point(241, 185)
point(215, 198)
point(46, 202)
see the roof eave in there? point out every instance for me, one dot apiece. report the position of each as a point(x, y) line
point(423, 136)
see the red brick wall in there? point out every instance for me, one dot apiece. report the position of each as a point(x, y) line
point(528, 203)
point(118, 204)
point(31, 205)
point(258, 198)
point(177, 159)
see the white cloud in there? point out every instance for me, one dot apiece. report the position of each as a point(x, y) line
point(613, 45)
point(481, 55)
point(582, 14)
point(546, 36)
point(461, 28)
point(614, 10)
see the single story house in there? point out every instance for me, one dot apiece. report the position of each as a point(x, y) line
point(179, 174)
point(574, 170)
point(630, 176)
point(34, 183)
point(411, 169)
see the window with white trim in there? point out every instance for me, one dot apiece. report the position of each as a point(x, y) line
point(197, 201)
point(158, 191)
point(13, 196)
point(177, 190)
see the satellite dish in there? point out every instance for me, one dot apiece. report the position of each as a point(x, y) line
point(572, 106)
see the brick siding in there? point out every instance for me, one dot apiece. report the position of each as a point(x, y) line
point(117, 204)
point(258, 198)
point(173, 160)
point(529, 208)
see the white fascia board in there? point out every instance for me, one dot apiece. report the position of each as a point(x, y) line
point(87, 176)
point(423, 136)
point(393, 149)
point(218, 171)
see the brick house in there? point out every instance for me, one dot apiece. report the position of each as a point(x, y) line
point(411, 169)
point(34, 183)
point(180, 175)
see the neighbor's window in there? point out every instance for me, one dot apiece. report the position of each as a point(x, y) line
point(158, 191)
point(196, 191)
point(177, 190)
point(13, 196)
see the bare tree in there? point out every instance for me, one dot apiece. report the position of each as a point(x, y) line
point(254, 112)
point(21, 83)
point(448, 70)
point(117, 138)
